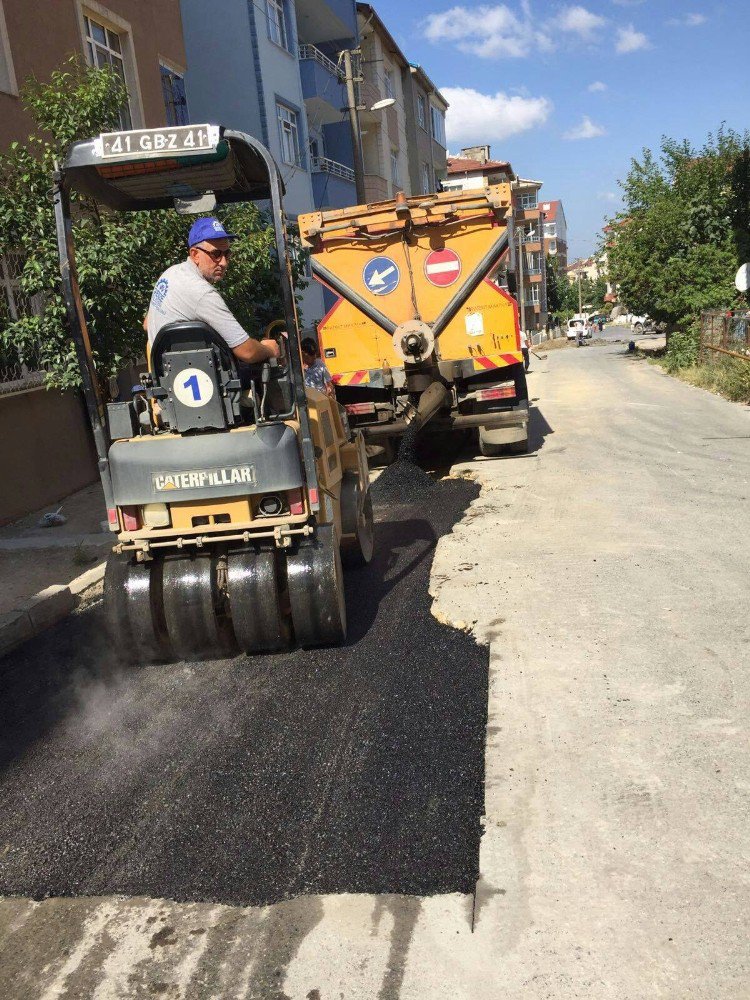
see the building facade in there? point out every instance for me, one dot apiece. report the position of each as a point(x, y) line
point(255, 86)
point(45, 442)
point(325, 28)
point(425, 109)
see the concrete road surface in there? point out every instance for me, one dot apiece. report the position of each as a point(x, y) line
point(340, 794)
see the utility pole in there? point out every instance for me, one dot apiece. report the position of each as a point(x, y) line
point(520, 279)
point(580, 300)
point(356, 133)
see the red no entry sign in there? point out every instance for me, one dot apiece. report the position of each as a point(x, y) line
point(442, 267)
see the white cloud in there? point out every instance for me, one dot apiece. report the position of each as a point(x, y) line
point(476, 117)
point(491, 31)
point(597, 87)
point(630, 40)
point(579, 21)
point(585, 130)
point(628, 3)
point(688, 21)
point(607, 196)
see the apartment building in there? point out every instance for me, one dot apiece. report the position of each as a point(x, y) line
point(324, 29)
point(425, 109)
point(244, 71)
point(474, 168)
point(530, 253)
point(45, 446)
point(555, 232)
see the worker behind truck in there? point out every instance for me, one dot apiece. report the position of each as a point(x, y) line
point(317, 375)
point(187, 291)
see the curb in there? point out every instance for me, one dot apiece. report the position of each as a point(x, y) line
point(45, 609)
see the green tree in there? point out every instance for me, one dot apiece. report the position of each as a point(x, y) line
point(675, 248)
point(118, 256)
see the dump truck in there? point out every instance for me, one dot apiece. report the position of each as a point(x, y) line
point(419, 333)
point(232, 493)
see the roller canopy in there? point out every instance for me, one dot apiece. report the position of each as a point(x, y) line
point(150, 168)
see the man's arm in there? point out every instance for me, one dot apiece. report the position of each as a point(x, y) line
point(253, 352)
point(213, 310)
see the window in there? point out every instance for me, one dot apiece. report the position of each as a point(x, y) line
point(527, 200)
point(388, 79)
point(550, 230)
point(104, 48)
point(438, 125)
point(422, 111)
point(532, 295)
point(175, 102)
point(289, 135)
point(277, 22)
point(395, 174)
point(552, 248)
point(533, 263)
point(7, 76)
point(426, 179)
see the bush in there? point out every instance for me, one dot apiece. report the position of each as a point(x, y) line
point(682, 349)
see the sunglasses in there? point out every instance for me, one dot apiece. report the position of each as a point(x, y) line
point(216, 255)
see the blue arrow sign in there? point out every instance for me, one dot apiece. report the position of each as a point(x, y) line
point(381, 275)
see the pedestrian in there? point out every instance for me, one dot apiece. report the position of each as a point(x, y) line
point(187, 291)
point(601, 324)
point(525, 349)
point(317, 375)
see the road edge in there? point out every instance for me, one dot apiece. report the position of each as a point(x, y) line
point(47, 608)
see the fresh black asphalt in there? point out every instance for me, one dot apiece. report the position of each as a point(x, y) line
point(246, 781)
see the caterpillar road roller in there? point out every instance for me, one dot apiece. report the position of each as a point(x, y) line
point(419, 332)
point(232, 494)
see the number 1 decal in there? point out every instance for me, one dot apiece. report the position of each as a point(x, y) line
point(192, 383)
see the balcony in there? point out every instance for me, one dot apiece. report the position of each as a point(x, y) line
point(333, 183)
point(322, 85)
point(323, 20)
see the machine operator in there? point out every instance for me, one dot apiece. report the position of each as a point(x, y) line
point(187, 291)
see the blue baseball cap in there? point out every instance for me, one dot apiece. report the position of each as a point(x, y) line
point(208, 229)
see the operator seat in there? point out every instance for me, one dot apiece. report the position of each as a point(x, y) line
point(195, 378)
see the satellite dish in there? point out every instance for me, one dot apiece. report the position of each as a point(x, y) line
point(742, 279)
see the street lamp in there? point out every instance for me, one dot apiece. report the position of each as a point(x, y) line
point(387, 102)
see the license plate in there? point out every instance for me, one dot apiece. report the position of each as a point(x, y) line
point(180, 139)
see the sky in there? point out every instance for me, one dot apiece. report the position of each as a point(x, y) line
point(570, 92)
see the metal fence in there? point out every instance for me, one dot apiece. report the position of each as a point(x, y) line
point(20, 367)
point(724, 334)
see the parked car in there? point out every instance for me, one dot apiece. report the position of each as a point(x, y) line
point(575, 324)
point(640, 323)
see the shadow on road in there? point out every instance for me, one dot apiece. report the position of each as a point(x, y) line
point(357, 769)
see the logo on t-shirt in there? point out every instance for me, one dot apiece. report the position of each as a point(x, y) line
point(160, 292)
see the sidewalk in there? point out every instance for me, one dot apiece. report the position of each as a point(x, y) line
point(46, 572)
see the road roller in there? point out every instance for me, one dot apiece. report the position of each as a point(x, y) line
point(235, 495)
point(420, 333)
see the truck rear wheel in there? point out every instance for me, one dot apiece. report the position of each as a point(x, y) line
point(488, 448)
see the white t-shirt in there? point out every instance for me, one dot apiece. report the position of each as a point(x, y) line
point(524, 338)
point(182, 293)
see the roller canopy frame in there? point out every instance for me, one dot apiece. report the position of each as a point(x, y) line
point(253, 175)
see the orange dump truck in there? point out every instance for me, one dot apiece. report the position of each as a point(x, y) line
point(419, 331)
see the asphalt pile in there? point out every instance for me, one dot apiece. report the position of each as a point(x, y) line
point(248, 781)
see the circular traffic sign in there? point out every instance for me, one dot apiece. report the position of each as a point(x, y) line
point(442, 267)
point(381, 275)
point(193, 388)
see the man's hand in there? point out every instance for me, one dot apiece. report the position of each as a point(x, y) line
point(272, 347)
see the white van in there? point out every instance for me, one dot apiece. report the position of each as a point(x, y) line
point(575, 324)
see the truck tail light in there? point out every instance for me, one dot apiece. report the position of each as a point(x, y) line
point(359, 408)
point(131, 518)
point(112, 518)
point(498, 392)
point(296, 503)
